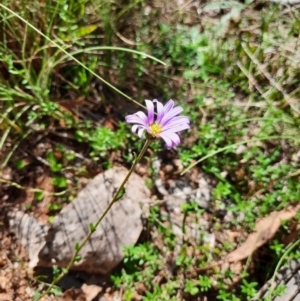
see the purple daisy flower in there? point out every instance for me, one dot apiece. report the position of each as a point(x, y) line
point(165, 124)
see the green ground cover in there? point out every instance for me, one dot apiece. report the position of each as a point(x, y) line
point(70, 71)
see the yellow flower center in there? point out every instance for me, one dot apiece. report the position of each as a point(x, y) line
point(155, 129)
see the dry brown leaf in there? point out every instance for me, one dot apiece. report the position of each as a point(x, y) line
point(72, 294)
point(91, 291)
point(6, 297)
point(265, 229)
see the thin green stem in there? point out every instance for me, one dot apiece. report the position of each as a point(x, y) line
point(253, 119)
point(112, 48)
point(287, 252)
point(227, 147)
point(92, 230)
point(14, 184)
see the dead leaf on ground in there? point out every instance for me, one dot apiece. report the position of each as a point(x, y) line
point(265, 229)
point(72, 294)
point(91, 291)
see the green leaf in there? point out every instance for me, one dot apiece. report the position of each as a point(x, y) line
point(121, 193)
point(36, 296)
point(60, 182)
point(56, 270)
point(92, 227)
point(56, 291)
point(20, 164)
point(77, 258)
point(51, 219)
point(54, 206)
point(54, 165)
point(39, 195)
point(82, 31)
point(70, 156)
point(77, 246)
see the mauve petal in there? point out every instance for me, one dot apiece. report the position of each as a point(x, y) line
point(177, 128)
point(168, 106)
point(150, 108)
point(167, 117)
point(136, 119)
point(143, 117)
point(140, 132)
point(173, 136)
point(134, 128)
point(177, 121)
point(168, 141)
point(160, 110)
point(183, 119)
point(132, 119)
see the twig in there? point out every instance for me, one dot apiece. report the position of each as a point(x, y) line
point(14, 184)
point(275, 84)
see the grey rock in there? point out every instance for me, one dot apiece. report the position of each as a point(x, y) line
point(182, 192)
point(160, 187)
point(30, 233)
point(289, 276)
point(121, 226)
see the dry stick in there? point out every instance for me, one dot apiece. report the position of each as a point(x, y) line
point(275, 84)
point(250, 77)
point(257, 86)
point(93, 229)
point(47, 193)
point(254, 82)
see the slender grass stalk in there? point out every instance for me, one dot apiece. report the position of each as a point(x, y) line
point(12, 124)
point(256, 119)
point(93, 229)
point(52, 18)
point(61, 48)
point(16, 144)
point(88, 49)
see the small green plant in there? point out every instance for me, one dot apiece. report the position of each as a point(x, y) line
point(140, 265)
point(277, 247)
point(227, 296)
point(102, 140)
point(140, 255)
point(39, 195)
point(184, 261)
point(248, 288)
point(162, 293)
point(129, 294)
point(205, 283)
point(191, 287)
point(59, 182)
point(55, 166)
